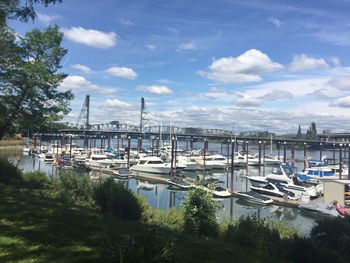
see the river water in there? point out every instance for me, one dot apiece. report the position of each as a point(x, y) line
point(164, 197)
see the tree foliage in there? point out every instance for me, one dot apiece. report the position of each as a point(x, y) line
point(29, 78)
point(22, 10)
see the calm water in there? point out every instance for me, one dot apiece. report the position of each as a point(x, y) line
point(164, 197)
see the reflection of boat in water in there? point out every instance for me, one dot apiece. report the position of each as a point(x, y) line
point(320, 208)
point(284, 213)
point(275, 190)
point(145, 185)
point(255, 198)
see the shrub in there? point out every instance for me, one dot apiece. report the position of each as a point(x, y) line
point(199, 213)
point(333, 234)
point(250, 231)
point(113, 197)
point(9, 173)
point(172, 219)
point(72, 187)
point(35, 180)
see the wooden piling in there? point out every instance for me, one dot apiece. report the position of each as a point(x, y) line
point(340, 162)
point(129, 144)
point(232, 162)
point(285, 152)
point(305, 162)
point(172, 157)
point(259, 154)
point(321, 150)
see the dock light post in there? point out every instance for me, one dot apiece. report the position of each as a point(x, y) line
point(128, 153)
point(264, 146)
point(232, 161)
point(70, 147)
point(259, 154)
point(172, 156)
point(284, 152)
point(278, 149)
point(293, 153)
point(320, 150)
point(204, 152)
point(228, 153)
point(153, 138)
point(175, 151)
point(247, 151)
point(333, 151)
point(340, 157)
point(139, 144)
point(304, 155)
point(157, 146)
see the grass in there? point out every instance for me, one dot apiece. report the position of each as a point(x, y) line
point(35, 228)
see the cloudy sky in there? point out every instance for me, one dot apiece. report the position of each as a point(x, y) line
point(241, 65)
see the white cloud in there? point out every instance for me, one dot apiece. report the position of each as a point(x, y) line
point(245, 100)
point(151, 47)
point(275, 21)
point(277, 95)
point(187, 46)
point(82, 68)
point(244, 68)
point(155, 89)
point(122, 72)
point(79, 83)
point(46, 19)
point(91, 37)
point(335, 61)
point(126, 22)
point(341, 102)
point(341, 83)
point(302, 62)
point(117, 104)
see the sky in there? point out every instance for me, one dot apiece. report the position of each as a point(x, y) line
point(236, 65)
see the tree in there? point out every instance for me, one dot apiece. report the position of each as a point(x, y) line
point(13, 9)
point(29, 78)
point(299, 134)
point(199, 213)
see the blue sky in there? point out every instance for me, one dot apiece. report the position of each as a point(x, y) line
point(242, 65)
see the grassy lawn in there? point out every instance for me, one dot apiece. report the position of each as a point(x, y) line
point(34, 228)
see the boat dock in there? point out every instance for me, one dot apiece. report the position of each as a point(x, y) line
point(164, 180)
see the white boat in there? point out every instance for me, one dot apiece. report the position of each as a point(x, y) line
point(320, 208)
point(122, 173)
point(210, 162)
point(316, 174)
point(152, 164)
point(185, 161)
point(271, 160)
point(275, 189)
point(216, 190)
point(284, 175)
point(49, 158)
point(26, 150)
point(255, 198)
point(179, 182)
point(102, 161)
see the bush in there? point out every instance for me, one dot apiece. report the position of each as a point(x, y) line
point(172, 219)
point(113, 197)
point(9, 173)
point(333, 234)
point(72, 187)
point(250, 231)
point(199, 213)
point(35, 180)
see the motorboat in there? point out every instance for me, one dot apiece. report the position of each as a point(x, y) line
point(179, 182)
point(215, 189)
point(152, 164)
point(26, 150)
point(102, 161)
point(320, 208)
point(316, 174)
point(254, 197)
point(284, 175)
point(185, 161)
point(210, 162)
point(123, 173)
point(272, 160)
point(49, 158)
point(275, 189)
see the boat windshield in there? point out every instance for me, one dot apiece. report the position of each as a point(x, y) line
point(155, 162)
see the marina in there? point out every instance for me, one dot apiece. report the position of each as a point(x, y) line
point(164, 195)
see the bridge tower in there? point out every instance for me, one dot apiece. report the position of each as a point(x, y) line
point(143, 116)
point(83, 119)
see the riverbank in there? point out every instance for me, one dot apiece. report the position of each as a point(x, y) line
point(34, 228)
